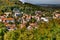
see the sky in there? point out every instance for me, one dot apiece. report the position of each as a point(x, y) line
point(42, 1)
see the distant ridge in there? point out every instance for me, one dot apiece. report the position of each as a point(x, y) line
point(46, 5)
point(49, 5)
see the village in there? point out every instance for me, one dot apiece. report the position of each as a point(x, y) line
point(28, 21)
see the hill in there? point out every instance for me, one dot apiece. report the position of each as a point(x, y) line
point(9, 5)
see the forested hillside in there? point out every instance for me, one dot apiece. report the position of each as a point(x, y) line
point(8, 5)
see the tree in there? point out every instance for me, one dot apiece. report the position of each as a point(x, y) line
point(12, 35)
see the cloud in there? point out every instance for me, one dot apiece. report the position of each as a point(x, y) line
point(42, 1)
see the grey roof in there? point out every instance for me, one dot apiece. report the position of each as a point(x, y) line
point(16, 10)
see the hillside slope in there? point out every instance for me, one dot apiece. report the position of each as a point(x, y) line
point(9, 5)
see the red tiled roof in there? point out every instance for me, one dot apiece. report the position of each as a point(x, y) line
point(8, 19)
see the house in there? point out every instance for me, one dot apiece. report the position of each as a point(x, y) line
point(24, 21)
point(8, 20)
point(2, 17)
point(19, 20)
point(7, 26)
point(16, 12)
point(10, 27)
point(28, 17)
point(29, 27)
point(7, 13)
point(22, 25)
point(24, 18)
point(44, 19)
point(37, 17)
point(32, 26)
point(38, 13)
point(56, 14)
